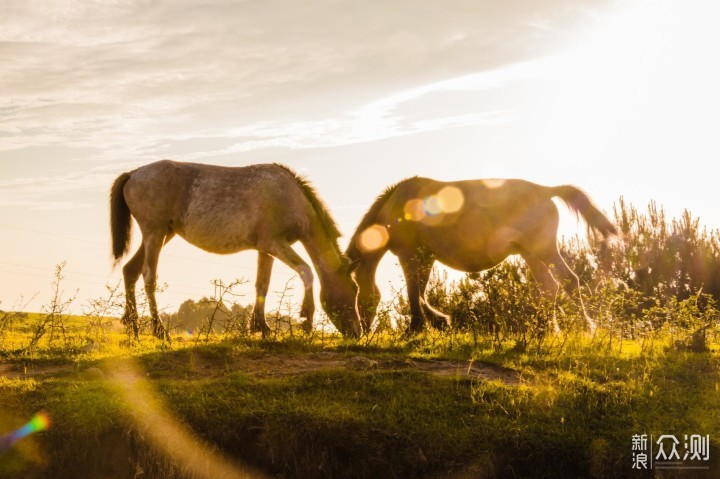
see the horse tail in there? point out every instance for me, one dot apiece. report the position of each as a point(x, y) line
point(579, 203)
point(120, 226)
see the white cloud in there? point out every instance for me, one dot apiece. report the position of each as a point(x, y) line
point(381, 119)
point(127, 82)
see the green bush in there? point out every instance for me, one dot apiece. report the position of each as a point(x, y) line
point(659, 275)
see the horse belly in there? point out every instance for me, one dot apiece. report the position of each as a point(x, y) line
point(469, 260)
point(468, 253)
point(216, 237)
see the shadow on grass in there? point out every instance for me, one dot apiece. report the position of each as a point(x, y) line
point(573, 417)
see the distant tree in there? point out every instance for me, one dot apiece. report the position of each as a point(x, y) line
point(193, 315)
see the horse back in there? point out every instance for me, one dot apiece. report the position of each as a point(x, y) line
point(485, 197)
point(417, 217)
point(220, 209)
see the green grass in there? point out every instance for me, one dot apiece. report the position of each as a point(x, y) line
point(573, 415)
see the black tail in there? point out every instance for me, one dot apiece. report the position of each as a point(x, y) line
point(120, 226)
point(580, 203)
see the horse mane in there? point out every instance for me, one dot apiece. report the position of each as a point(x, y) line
point(326, 220)
point(370, 217)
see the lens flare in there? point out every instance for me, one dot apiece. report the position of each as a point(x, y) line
point(373, 238)
point(431, 209)
point(493, 183)
point(166, 433)
point(414, 210)
point(432, 206)
point(39, 422)
point(451, 198)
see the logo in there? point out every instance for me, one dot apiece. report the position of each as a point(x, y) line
point(669, 452)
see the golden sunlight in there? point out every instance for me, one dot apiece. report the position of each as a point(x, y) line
point(451, 199)
point(414, 210)
point(493, 182)
point(373, 238)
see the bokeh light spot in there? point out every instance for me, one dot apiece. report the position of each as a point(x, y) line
point(432, 206)
point(414, 210)
point(373, 238)
point(451, 198)
point(493, 182)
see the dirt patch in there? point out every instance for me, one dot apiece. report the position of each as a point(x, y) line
point(471, 369)
point(264, 364)
point(277, 365)
point(23, 370)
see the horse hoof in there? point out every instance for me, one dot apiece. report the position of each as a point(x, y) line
point(306, 326)
point(259, 325)
point(414, 330)
point(441, 324)
point(356, 331)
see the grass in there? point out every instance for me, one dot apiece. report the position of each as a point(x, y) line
point(579, 402)
point(211, 408)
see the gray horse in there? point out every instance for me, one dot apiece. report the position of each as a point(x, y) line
point(225, 210)
point(467, 225)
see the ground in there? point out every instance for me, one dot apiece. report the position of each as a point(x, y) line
point(264, 365)
point(302, 408)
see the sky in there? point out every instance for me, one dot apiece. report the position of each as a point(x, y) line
point(617, 97)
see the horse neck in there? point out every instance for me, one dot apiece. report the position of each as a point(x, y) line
point(325, 255)
point(373, 215)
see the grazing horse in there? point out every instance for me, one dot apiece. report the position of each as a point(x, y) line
point(467, 225)
point(225, 210)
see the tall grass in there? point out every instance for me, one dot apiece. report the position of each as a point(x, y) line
point(650, 366)
point(660, 276)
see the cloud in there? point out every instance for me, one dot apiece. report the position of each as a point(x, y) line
point(168, 56)
point(126, 82)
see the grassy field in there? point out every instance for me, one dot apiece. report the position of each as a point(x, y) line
point(438, 405)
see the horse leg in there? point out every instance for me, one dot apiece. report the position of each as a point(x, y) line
point(438, 319)
point(548, 284)
point(368, 295)
point(287, 255)
point(131, 273)
point(411, 268)
point(262, 283)
point(571, 284)
point(153, 244)
point(552, 272)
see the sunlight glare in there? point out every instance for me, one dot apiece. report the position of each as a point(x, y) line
point(414, 210)
point(493, 183)
point(433, 206)
point(169, 435)
point(451, 199)
point(432, 209)
point(373, 238)
point(640, 82)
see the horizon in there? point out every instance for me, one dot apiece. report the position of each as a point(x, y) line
point(617, 98)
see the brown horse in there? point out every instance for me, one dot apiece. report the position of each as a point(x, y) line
point(225, 210)
point(467, 225)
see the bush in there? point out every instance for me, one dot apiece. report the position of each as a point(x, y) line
point(659, 275)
